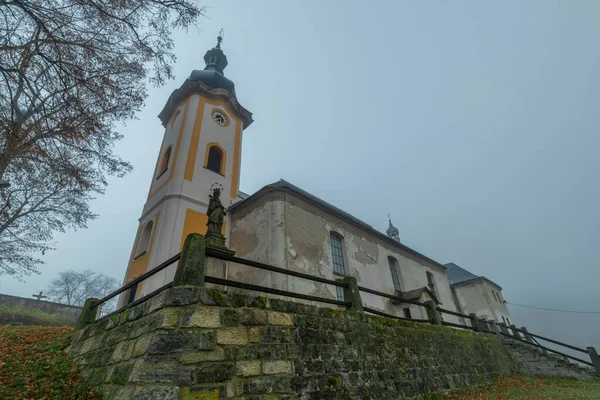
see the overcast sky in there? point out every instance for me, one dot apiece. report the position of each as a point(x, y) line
point(474, 125)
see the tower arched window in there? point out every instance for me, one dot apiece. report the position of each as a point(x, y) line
point(164, 163)
point(215, 159)
point(394, 270)
point(144, 241)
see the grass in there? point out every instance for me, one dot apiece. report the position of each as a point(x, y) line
point(19, 315)
point(33, 365)
point(533, 388)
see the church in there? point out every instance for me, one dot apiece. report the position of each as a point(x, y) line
point(280, 224)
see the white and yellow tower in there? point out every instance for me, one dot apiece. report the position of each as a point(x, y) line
point(201, 147)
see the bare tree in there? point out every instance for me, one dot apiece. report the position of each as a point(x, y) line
point(73, 288)
point(69, 71)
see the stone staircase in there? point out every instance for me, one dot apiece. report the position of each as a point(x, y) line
point(534, 361)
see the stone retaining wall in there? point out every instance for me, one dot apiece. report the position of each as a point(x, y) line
point(193, 343)
point(534, 361)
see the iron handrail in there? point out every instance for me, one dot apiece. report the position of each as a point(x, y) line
point(456, 314)
point(258, 288)
point(547, 349)
point(228, 257)
point(137, 280)
point(547, 339)
point(445, 323)
point(136, 302)
point(383, 314)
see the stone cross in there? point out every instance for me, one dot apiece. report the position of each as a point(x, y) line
point(39, 296)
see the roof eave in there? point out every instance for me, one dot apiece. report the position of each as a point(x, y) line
point(355, 222)
point(474, 280)
point(190, 88)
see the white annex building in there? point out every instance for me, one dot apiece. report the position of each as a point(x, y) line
point(281, 224)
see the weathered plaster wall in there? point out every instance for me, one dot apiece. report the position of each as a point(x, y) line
point(192, 343)
point(257, 233)
point(285, 230)
point(476, 297)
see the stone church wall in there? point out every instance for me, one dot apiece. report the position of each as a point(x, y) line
point(192, 343)
point(284, 230)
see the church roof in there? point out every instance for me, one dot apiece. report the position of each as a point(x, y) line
point(458, 275)
point(285, 185)
point(213, 80)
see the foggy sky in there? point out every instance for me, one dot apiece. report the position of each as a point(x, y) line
point(474, 125)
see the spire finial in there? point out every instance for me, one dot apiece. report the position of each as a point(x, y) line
point(392, 231)
point(220, 38)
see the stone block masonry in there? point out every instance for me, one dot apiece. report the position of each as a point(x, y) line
point(191, 343)
point(533, 361)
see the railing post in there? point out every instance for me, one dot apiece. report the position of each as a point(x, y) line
point(475, 322)
point(528, 337)
point(88, 314)
point(432, 313)
point(595, 359)
point(191, 268)
point(351, 293)
point(514, 331)
point(504, 329)
point(494, 326)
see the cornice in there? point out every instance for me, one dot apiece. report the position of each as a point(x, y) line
point(190, 88)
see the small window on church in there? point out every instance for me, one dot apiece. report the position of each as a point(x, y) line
point(394, 270)
point(337, 253)
point(215, 160)
point(407, 313)
point(144, 239)
point(164, 163)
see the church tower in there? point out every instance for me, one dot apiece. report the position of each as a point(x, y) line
point(201, 148)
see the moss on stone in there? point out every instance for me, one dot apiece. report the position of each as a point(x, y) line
point(218, 298)
point(334, 381)
point(258, 301)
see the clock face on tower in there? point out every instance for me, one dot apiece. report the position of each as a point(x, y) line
point(220, 118)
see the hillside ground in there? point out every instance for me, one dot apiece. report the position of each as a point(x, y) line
point(33, 365)
point(533, 388)
point(19, 315)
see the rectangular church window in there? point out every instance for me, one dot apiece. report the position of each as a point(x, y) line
point(337, 254)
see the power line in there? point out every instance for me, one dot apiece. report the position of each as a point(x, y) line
point(551, 309)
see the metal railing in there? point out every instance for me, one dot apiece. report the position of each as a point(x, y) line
point(98, 306)
point(259, 288)
point(96, 310)
point(479, 325)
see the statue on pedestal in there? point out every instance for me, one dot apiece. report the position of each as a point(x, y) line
point(216, 215)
